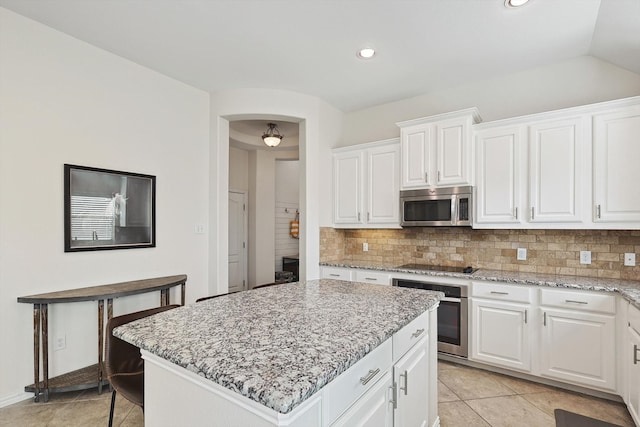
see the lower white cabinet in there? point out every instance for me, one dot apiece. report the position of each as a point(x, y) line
point(410, 376)
point(501, 334)
point(373, 409)
point(578, 337)
point(336, 273)
point(373, 277)
point(631, 358)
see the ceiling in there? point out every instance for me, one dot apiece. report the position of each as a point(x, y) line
point(247, 135)
point(309, 46)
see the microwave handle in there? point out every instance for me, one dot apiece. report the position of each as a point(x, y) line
point(454, 209)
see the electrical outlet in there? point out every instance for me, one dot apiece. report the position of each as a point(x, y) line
point(630, 259)
point(61, 342)
point(585, 257)
point(521, 254)
point(365, 247)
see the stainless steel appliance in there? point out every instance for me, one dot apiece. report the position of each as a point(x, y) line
point(452, 314)
point(448, 206)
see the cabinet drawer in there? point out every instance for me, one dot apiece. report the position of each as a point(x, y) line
point(336, 273)
point(634, 318)
point(375, 277)
point(406, 337)
point(578, 300)
point(503, 292)
point(342, 392)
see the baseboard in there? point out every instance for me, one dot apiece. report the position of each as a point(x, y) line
point(10, 400)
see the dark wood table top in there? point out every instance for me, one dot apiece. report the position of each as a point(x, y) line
point(114, 290)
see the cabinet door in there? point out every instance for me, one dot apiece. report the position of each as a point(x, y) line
point(347, 187)
point(383, 201)
point(501, 334)
point(417, 148)
point(452, 152)
point(411, 377)
point(498, 169)
point(556, 151)
point(633, 374)
point(615, 162)
point(373, 409)
point(579, 348)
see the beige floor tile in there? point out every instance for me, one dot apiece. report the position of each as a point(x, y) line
point(459, 414)
point(135, 418)
point(471, 383)
point(445, 394)
point(511, 411)
point(593, 407)
point(520, 386)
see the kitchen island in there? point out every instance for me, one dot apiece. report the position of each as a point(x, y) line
point(320, 353)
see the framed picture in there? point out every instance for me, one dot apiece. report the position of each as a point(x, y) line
point(107, 209)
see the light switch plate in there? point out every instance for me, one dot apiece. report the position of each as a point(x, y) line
point(585, 257)
point(630, 259)
point(521, 254)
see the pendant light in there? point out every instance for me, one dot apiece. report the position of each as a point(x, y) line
point(272, 136)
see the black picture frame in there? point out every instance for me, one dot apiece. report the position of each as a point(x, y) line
point(106, 209)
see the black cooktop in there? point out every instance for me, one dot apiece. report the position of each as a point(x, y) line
point(445, 268)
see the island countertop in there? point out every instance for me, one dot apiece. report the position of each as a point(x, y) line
point(279, 345)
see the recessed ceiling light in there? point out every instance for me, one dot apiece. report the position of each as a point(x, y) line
point(515, 3)
point(366, 53)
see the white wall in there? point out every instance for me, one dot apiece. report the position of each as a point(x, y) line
point(64, 101)
point(582, 80)
point(238, 169)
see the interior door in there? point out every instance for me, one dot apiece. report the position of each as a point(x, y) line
point(237, 241)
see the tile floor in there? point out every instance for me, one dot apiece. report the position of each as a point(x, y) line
point(468, 397)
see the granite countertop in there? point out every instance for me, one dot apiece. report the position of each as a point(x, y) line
point(279, 345)
point(629, 289)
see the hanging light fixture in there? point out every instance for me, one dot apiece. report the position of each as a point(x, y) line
point(272, 136)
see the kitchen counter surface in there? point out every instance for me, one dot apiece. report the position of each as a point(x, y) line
point(279, 345)
point(629, 289)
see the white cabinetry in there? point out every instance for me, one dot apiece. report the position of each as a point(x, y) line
point(631, 359)
point(367, 185)
point(410, 376)
point(556, 159)
point(578, 337)
point(501, 325)
point(336, 273)
point(616, 193)
point(436, 150)
point(499, 176)
point(372, 409)
point(373, 277)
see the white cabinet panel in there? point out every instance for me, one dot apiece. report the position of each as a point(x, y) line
point(373, 409)
point(337, 273)
point(616, 171)
point(452, 152)
point(417, 146)
point(373, 277)
point(498, 170)
point(556, 151)
point(578, 347)
point(411, 374)
point(366, 185)
point(347, 190)
point(632, 361)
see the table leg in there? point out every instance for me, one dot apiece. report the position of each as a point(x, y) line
point(36, 351)
point(109, 316)
point(100, 342)
point(182, 292)
point(44, 316)
point(164, 297)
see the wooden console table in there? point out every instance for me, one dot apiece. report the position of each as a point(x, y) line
point(90, 376)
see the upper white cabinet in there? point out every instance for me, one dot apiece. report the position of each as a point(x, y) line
point(499, 176)
point(556, 159)
point(616, 144)
point(436, 150)
point(366, 185)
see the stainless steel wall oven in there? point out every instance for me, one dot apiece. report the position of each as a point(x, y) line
point(452, 314)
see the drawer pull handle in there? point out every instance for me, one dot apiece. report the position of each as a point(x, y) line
point(370, 278)
point(406, 382)
point(635, 354)
point(394, 396)
point(544, 319)
point(525, 315)
point(372, 373)
point(575, 302)
point(417, 333)
point(499, 293)
point(334, 275)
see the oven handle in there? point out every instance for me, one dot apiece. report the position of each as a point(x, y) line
point(449, 299)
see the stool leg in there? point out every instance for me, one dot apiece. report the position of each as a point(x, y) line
point(113, 403)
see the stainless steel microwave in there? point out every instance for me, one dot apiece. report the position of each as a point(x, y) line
point(436, 207)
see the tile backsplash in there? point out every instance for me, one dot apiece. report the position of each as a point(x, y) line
point(548, 251)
